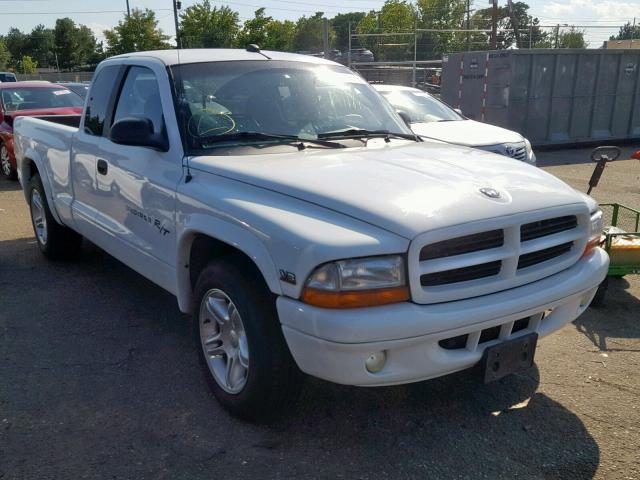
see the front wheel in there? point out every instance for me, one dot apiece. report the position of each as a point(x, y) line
point(54, 240)
point(240, 343)
point(5, 163)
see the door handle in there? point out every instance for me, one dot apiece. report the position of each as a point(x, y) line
point(103, 167)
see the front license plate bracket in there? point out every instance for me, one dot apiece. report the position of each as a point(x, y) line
point(509, 357)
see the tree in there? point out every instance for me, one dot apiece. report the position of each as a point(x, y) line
point(204, 26)
point(254, 30)
point(17, 45)
point(573, 38)
point(5, 56)
point(627, 32)
point(527, 25)
point(75, 45)
point(41, 45)
point(395, 16)
point(136, 33)
point(340, 25)
point(280, 35)
point(308, 35)
point(440, 15)
point(28, 65)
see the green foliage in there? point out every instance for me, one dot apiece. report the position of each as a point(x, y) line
point(627, 32)
point(394, 16)
point(440, 14)
point(16, 43)
point(5, 56)
point(340, 25)
point(308, 34)
point(41, 46)
point(573, 38)
point(280, 35)
point(27, 65)
point(254, 30)
point(136, 33)
point(204, 26)
point(74, 45)
point(527, 25)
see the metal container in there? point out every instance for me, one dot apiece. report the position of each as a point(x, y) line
point(551, 96)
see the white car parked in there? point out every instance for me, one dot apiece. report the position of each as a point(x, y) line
point(305, 227)
point(432, 119)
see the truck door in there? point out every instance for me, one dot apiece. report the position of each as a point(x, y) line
point(140, 182)
point(87, 148)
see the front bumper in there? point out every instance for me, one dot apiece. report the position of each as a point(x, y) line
point(334, 344)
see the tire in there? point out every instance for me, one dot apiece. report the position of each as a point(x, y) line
point(264, 380)
point(55, 241)
point(598, 299)
point(5, 165)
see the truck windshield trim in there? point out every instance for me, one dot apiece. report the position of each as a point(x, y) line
point(295, 100)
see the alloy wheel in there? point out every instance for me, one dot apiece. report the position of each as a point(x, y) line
point(224, 341)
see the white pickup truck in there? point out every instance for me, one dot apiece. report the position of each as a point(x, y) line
point(297, 218)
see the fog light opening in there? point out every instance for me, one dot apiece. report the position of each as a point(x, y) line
point(375, 362)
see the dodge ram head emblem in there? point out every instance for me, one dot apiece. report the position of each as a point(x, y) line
point(490, 192)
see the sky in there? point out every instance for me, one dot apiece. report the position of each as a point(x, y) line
point(604, 17)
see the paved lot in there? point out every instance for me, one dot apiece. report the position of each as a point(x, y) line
point(98, 379)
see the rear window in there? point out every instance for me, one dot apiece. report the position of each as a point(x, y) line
point(14, 99)
point(7, 77)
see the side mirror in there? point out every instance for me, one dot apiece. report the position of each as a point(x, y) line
point(137, 132)
point(458, 111)
point(404, 116)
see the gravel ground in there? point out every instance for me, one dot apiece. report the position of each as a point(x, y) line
point(98, 379)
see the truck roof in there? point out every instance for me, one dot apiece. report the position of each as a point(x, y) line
point(200, 55)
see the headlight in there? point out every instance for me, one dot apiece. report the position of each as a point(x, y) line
point(531, 158)
point(595, 231)
point(359, 282)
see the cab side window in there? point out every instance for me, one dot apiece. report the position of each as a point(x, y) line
point(100, 100)
point(140, 97)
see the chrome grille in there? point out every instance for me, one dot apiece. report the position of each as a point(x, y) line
point(516, 150)
point(478, 258)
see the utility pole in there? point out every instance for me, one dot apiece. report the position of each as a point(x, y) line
point(325, 37)
point(468, 25)
point(349, 53)
point(494, 25)
point(557, 35)
point(176, 6)
point(128, 10)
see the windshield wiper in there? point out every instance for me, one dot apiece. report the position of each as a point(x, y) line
point(364, 133)
point(251, 136)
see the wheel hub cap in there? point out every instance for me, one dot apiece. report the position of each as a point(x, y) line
point(38, 217)
point(224, 341)
point(4, 160)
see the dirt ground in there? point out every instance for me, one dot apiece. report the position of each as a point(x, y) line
point(98, 379)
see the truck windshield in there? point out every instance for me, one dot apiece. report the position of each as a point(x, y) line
point(14, 99)
point(219, 100)
point(420, 106)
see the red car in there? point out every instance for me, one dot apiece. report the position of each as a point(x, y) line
point(33, 100)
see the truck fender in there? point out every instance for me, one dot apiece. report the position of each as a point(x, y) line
point(233, 235)
point(24, 171)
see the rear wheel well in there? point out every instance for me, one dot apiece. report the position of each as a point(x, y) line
point(205, 248)
point(32, 169)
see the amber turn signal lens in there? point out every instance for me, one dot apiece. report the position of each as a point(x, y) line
point(355, 298)
point(590, 246)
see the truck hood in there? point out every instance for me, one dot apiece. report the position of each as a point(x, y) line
point(404, 187)
point(466, 132)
